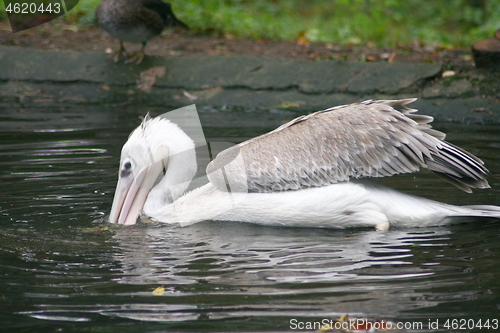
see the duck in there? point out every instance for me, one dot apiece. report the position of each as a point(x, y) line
point(318, 170)
point(135, 21)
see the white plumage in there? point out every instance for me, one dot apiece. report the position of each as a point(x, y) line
point(309, 172)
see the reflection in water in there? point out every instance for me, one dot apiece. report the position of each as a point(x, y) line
point(341, 272)
point(62, 269)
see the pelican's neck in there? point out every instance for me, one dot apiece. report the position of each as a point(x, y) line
point(178, 169)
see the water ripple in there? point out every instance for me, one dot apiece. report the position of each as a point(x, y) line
point(64, 269)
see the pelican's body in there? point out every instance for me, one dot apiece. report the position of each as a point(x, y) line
point(343, 205)
point(308, 173)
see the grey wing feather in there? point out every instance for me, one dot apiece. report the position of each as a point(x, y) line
point(368, 139)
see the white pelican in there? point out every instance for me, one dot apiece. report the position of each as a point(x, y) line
point(305, 173)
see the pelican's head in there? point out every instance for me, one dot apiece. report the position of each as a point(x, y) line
point(156, 165)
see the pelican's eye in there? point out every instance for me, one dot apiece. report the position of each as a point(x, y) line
point(126, 169)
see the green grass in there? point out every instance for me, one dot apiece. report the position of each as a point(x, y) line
point(447, 23)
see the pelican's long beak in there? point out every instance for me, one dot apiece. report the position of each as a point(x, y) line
point(131, 194)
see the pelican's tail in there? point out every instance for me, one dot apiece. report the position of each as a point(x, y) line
point(421, 212)
point(406, 210)
point(483, 211)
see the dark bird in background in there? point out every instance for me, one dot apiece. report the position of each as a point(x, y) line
point(135, 21)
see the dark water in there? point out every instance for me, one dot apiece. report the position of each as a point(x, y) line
point(62, 269)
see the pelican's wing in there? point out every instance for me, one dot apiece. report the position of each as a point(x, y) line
point(368, 139)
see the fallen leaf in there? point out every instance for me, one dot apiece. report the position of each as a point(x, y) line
point(71, 27)
point(355, 324)
point(313, 56)
point(148, 78)
point(448, 73)
point(467, 57)
point(302, 41)
point(287, 104)
point(207, 93)
point(480, 110)
point(159, 291)
point(174, 53)
point(392, 57)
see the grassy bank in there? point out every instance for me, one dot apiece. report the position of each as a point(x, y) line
point(378, 22)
